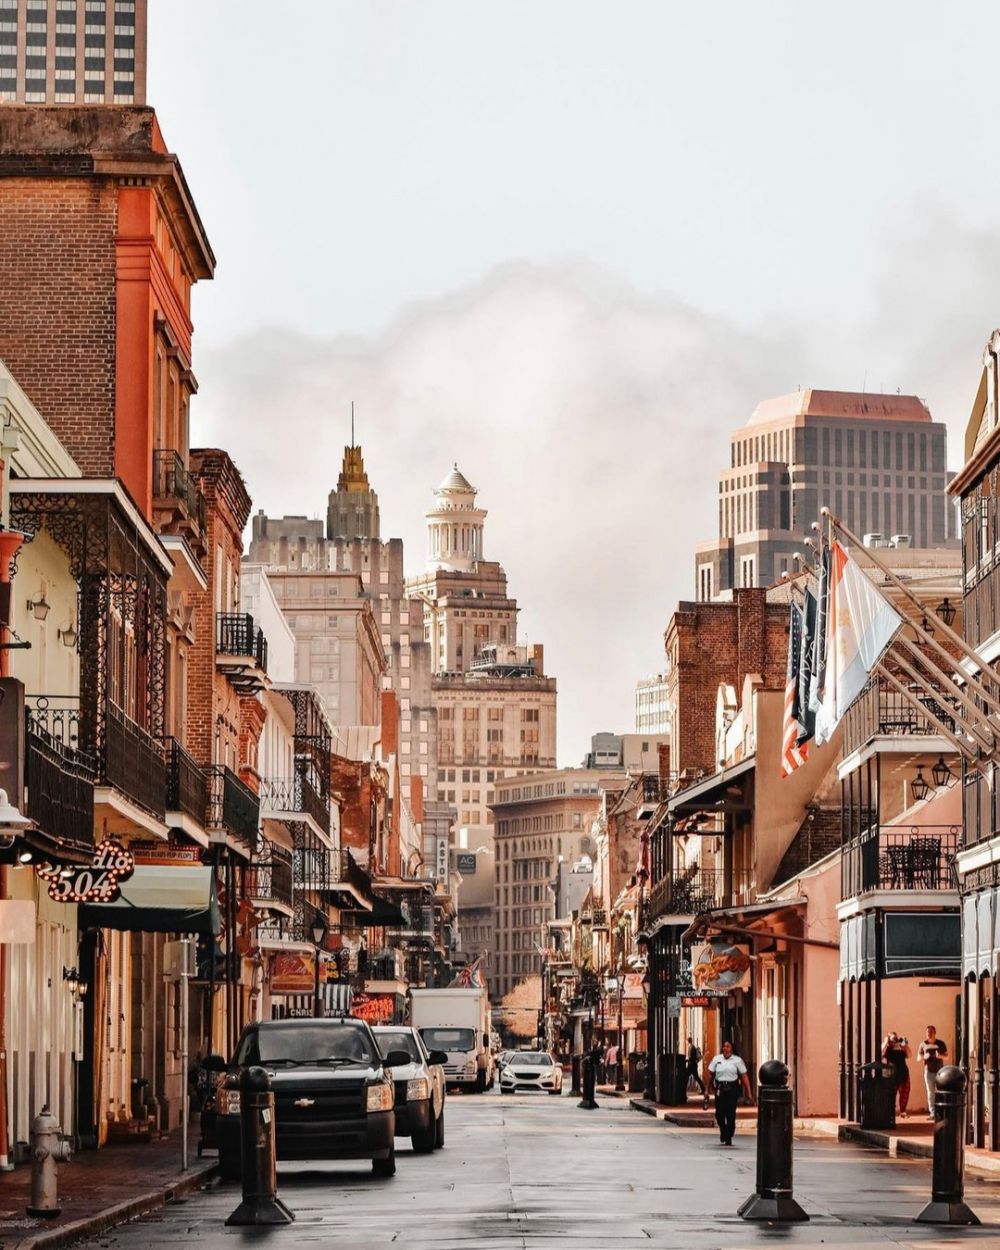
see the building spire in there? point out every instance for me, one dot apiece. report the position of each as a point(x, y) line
point(353, 444)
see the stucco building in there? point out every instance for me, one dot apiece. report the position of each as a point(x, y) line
point(879, 461)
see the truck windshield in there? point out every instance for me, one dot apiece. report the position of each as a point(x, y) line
point(306, 1043)
point(449, 1039)
point(399, 1041)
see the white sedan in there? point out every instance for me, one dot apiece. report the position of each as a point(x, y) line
point(531, 1069)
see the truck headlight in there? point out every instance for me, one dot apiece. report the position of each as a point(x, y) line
point(417, 1089)
point(230, 1101)
point(380, 1097)
point(470, 1066)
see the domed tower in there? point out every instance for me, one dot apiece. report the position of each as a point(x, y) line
point(455, 526)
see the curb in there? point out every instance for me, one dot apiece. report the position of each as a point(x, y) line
point(121, 1213)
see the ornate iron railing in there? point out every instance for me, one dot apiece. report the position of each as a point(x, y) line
point(187, 784)
point(269, 877)
point(690, 893)
point(232, 806)
point(882, 711)
point(295, 794)
point(173, 481)
point(60, 785)
point(916, 857)
point(236, 634)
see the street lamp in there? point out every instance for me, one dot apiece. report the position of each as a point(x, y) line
point(919, 786)
point(946, 610)
point(319, 937)
point(941, 773)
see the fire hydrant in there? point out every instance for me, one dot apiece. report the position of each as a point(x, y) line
point(46, 1151)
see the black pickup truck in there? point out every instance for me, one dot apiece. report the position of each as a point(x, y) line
point(333, 1093)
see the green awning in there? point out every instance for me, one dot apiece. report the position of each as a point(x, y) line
point(159, 898)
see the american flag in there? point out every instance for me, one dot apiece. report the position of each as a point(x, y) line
point(792, 754)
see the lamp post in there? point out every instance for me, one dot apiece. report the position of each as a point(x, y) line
point(620, 1069)
point(319, 937)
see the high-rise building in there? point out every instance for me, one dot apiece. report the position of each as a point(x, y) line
point(302, 557)
point(879, 461)
point(73, 51)
point(652, 707)
point(541, 819)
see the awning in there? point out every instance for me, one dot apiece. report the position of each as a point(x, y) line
point(159, 899)
point(722, 792)
point(382, 913)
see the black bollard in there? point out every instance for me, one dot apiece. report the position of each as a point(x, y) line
point(261, 1204)
point(947, 1204)
point(576, 1062)
point(588, 1102)
point(773, 1199)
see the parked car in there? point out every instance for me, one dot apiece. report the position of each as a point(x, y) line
point(531, 1069)
point(419, 1085)
point(333, 1093)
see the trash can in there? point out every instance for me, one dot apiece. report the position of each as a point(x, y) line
point(877, 1095)
point(671, 1080)
point(637, 1072)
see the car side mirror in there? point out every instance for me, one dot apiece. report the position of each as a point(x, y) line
point(397, 1059)
point(437, 1056)
point(214, 1063)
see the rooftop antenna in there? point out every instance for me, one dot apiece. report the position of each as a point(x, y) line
point(352, 424)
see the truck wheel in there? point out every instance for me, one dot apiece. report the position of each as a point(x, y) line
point(386, 1166)
point(439, 1131)
point(423, 1141)
point(230, 1166)
point(480, 1082)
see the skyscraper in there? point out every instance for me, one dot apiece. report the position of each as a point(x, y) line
point(879, 461)
point(73, 51)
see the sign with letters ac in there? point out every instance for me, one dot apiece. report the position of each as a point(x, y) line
point(466, 864)
point(99, 883)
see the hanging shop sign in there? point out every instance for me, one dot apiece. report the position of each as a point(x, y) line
point(170, 853)
point(720, 965)
point(375, 1008)
point(293, 972)
point(696, 1000)
point(99, 883)
point(442, 859)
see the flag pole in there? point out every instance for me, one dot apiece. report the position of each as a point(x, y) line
point(925, 609)
point(984, 732)
point(962, 748)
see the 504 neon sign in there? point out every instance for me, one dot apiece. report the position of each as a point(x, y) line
point(99, 883)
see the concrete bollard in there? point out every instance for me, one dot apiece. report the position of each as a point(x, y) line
point(588, 1102)
point(947, 1204)
point(261, 1204)
point(46, 1151)
point(773, 1199)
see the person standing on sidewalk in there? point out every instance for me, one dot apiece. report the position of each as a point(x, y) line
point(726, 1073)
point(895, 1052)
point(931, 1054)
point(693, 1067)
point(611, 1063)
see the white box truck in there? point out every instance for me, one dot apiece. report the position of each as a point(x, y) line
point(457, 1021)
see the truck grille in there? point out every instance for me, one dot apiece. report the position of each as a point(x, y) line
point(344, 1101)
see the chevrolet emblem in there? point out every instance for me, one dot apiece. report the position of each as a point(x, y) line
point(304, 1102)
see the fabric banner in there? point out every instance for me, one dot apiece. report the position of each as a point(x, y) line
point(792, 754)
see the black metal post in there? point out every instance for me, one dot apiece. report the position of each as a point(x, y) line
point(588, 1102)
point(947, 1204)
point(261, 1204)
point(576, 1063)
point(620, 1070)
point(773, 1198)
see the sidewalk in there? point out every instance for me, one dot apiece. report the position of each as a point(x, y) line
point(99, 1189)
point(913, 1137)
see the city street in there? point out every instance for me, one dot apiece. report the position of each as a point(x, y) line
point(528, 1171)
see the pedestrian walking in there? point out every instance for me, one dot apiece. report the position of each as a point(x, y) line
point(895, 1052)
point(611, 1063)
point(693, 1067)
point(931, 1053)
point(726, 1073)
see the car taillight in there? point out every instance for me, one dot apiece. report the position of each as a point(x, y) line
point(380, 1097)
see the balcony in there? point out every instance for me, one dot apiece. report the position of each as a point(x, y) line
point(690, 893)
point(177, 497)
point(917, 857)
point(385, 971)
point(233, 809)
point(351, 886)
point(291, 799)
point(241, 651)
point(187, 788)
point(881, 712)
point(268, 880)
point(130, 776)
point(59, 782)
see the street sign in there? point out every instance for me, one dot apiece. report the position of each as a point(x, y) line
point(178, 959)
point(466, 864)
point(673, 1007)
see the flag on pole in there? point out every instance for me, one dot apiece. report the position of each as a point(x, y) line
point(804, 714)
point(642, 867)
point(861, 623)
point(470, 977)
point(817, 673)
point(792, 755)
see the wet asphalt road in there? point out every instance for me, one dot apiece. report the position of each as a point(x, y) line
point(531, 1171)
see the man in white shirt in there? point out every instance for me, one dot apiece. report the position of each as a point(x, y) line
point(726, 1073)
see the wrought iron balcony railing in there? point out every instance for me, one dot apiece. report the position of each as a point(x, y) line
point(293, 795)
point(916, 857)
point(237, 635)
point(269, 877)
point(187, 783)
point(385, 966)
point(690, 893)
point(881, 711)
point(174, 485)
point(60, 785)
point(233, 807)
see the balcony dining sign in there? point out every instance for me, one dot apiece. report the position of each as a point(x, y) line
point(100, 882)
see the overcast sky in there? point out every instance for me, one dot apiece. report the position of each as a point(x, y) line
point(570, 245)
